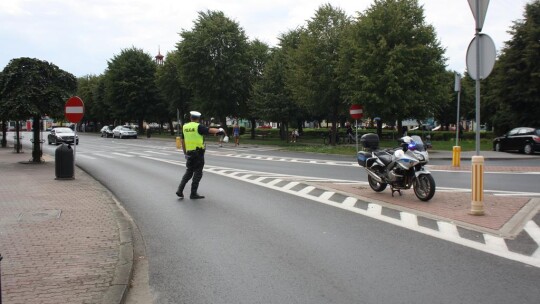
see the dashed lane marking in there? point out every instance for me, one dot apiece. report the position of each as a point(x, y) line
point(122, 154)
point(443, 229)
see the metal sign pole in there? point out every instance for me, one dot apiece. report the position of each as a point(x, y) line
point(356, 136)
point(478, 66)
point(74, 148)
point(0, 279)
point(458, 90)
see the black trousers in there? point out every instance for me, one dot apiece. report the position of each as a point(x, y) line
point(194, 169)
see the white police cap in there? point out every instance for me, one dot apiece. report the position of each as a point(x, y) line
point(195, 114)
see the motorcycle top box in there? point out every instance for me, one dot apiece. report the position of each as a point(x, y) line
point(370, 141)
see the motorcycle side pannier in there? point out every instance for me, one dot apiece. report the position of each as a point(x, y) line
point(362, 158)
point(370, 141)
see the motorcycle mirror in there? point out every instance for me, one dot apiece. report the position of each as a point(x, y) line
point(405, 147)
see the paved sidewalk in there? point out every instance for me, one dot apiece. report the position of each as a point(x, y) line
point(62, 241)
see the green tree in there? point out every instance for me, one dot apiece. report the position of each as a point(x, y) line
point(445, 113)
point(314, 80)
point(3, 118)
point(272, 98)
point(171, 86)
point(515, 87)
point(259, 53)
point(396, 62)
point(130, 88)
point(87, 90)
point(215, 64)
point(34, 88)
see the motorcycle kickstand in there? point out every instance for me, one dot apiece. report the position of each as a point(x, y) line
point(395, 190)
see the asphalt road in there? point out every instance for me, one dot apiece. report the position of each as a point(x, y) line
point(248, 244)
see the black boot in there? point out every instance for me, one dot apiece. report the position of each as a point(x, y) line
point(196, 196)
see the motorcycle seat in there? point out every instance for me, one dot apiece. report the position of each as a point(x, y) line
point(384, 157)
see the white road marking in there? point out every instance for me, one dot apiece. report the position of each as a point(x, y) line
point(447, 231)
point(122, 154)
point(495, 243)
point(159, 153)
point(85, 156)
point(409, 219)
point(103, 155)
point(138, 153)
point(349, 202)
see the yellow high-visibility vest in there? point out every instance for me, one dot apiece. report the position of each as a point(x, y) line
point(192, 138)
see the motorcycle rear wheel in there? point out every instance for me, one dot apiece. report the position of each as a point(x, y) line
point(424, 187)
point(375, 185)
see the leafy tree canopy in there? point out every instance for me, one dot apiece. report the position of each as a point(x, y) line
point(396, 63)
point(215, 63)
point(130, 88)
point(515, 90)
point(314, 81)
point(32, 87)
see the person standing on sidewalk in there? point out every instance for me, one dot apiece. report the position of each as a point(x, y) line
point(194, 148)
point(236, 134)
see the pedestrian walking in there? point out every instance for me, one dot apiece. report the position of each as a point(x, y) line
point(194, 148)
point(221, 137)
point(236, 134)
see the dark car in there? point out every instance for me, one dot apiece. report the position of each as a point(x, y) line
point(523, 139)
point(62, 135)
point(106, 132)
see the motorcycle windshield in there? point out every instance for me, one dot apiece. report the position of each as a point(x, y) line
point(417, 144)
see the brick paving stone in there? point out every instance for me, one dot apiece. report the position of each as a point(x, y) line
point(454, 206)
point(59, 238)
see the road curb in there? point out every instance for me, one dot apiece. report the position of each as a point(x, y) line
point(117, 291)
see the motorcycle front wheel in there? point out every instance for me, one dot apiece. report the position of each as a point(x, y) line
point(375, 185)
point(424, 187)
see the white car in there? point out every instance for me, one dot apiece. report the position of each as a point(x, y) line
point(124, 132)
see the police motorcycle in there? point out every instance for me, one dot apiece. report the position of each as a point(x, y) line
point(401, 168)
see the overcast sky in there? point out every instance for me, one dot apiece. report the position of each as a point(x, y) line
point(80, 36)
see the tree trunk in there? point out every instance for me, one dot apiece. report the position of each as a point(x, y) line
point(253, 125)
point(300, 124)
point(140, 125)
point(4, 134)
point(36, 149)
point(171, 128)
point(18, 137)
point(379, 128)
point(334, 129)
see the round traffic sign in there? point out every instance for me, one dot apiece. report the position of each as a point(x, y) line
point(356, 111)
point(74, 109)
point(488, 54)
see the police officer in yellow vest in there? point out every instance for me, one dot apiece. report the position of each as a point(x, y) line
point(193, 147)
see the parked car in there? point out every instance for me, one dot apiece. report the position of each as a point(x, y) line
point(523, 139)
point(106, 132)
point(61, 135)
point(124, 132)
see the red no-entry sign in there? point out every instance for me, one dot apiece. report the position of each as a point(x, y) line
point(74, 109)
point(356, 111)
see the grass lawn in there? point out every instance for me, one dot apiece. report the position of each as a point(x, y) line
point(315, 145)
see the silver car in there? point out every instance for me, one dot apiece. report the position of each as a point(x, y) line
point(62, 135)
point(124, 132)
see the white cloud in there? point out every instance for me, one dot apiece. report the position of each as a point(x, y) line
point(80, 36)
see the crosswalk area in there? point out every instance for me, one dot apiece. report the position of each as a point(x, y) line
point(128, 150)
